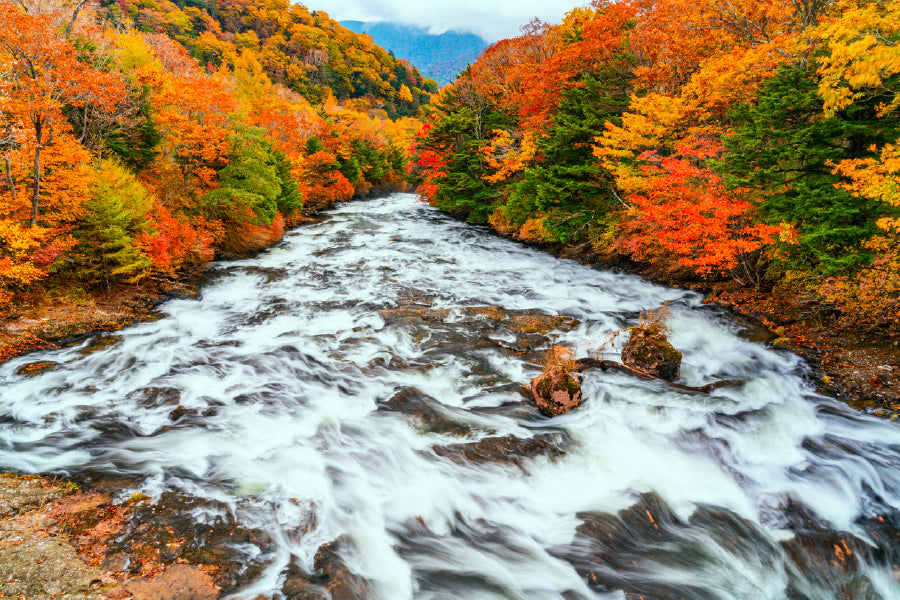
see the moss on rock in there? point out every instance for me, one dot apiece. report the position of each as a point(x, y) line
point(556, 392)
point(649, 351)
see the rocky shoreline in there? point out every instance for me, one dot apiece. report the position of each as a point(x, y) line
point(59, 541)
point(858, 366)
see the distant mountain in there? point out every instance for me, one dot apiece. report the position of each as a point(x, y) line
point(440, 57)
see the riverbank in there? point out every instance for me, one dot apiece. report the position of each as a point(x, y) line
point(858, 366)
point(67, 313)
point(58, 540)
point(855, 365)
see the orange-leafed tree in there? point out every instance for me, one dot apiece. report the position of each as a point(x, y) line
point(861, 62)
point(507, 69)
point(591, 41)
point(42, 75)
point(19, 245)
point(686, 211)
point(192, 113)
point(322, 183)
point(27, 252)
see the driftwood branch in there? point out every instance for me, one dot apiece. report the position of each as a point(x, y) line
point(584, 364)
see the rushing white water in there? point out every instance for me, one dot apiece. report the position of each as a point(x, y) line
point(286, 358)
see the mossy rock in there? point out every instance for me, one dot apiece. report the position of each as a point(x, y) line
point(649, 351)
point(556, 392)
point(37, 368)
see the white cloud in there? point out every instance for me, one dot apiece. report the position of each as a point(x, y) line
point(491, 19)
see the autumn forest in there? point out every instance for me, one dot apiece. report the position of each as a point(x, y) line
point(750, 143)
point(141, 139)
point(614, 313)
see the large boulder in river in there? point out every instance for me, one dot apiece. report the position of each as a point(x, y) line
point(556, 391)
point(649, 351)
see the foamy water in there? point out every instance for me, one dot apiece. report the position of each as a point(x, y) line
point(285, 358)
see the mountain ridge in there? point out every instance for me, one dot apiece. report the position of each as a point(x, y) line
point(438, 56)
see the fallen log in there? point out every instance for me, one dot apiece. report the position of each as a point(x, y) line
point(583, 364)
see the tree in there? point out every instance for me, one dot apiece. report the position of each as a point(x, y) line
point(42, 75)
point(592, 41)
point(687, 211)
point(405, 95)
point(290, 200)
point(192, 112)
point(449, 158)
point(173, 244)
point(9, 144)
point(507, 69)
point(566, 183)
point(19, 247)
point(322, 182)
point(249, 183)
point(116, 215)
point(785, 147)
point(863, 54)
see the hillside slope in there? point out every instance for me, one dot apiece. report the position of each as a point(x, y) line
point(305, 50)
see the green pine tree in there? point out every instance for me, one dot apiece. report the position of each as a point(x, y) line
point(250, 180)
point(116, 213)
point(566, 182)
point(786, 147)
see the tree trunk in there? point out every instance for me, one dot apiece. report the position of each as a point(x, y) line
point(36, 197)
point(75, 12)
point(38, 146)
point(9, 178)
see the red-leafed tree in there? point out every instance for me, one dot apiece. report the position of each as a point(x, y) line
point(172, 243)
point(428, 164)
point(685, 210)
point(590, 39)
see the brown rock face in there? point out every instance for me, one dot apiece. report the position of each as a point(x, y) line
point(649, 351)
point(35, 369)
point(342, 583)
point(333, 580)
point(508, 450)
point(556, 392)
point(178, 582)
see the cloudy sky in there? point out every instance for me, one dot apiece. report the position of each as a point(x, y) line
point(491, 19)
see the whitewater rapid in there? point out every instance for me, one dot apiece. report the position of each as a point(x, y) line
point(285, 362)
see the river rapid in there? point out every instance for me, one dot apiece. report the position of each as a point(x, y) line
point(295, 369)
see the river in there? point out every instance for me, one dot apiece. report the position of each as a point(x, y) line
point(296, 371)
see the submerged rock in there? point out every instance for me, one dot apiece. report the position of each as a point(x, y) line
point(342, 583)
point(171, 531)
point(616, 551)
point(556, 391)
point(649, 351)
point(507, 450)
point(518, 321)
point(333, 580)
point(36, 368)
point(429, 412)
